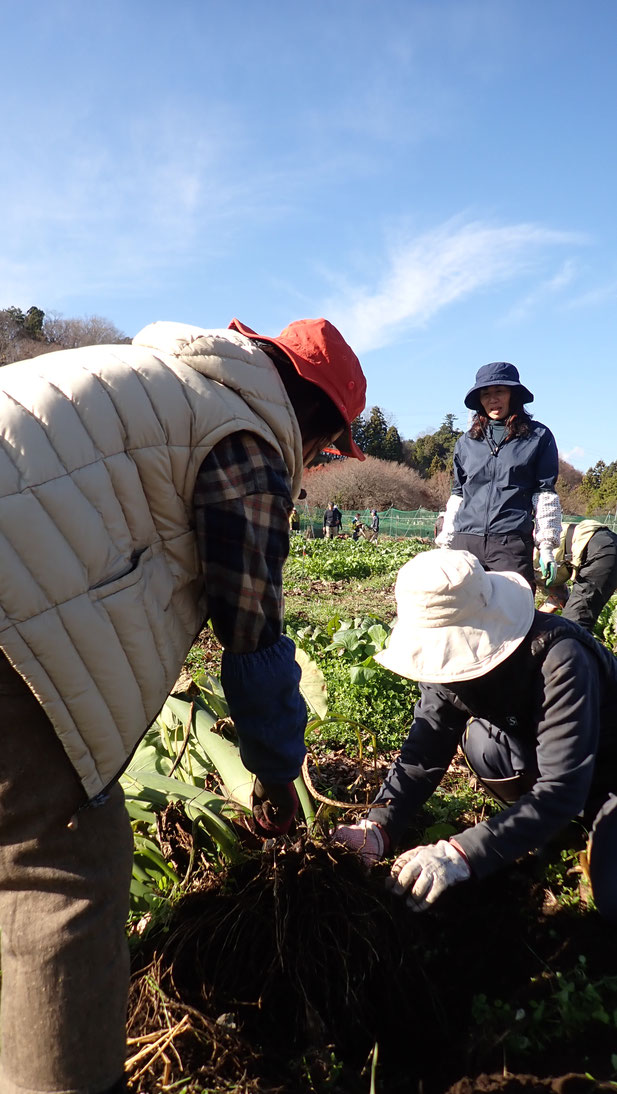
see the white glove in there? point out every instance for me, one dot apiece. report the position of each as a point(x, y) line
point(366, 838)
point(427, 872)
point(444, 539)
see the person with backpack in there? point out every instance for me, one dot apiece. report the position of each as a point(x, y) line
point(587, 555)
point(144, 490)
point(505, 469)
point(531, 699)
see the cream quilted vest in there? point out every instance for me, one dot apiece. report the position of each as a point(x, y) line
point(100, 587)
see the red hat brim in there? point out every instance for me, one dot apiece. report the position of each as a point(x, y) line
point(320, 355)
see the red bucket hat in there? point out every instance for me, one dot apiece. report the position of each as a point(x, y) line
point(320, 354)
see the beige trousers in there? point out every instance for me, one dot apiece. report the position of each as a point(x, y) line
point(63, 907)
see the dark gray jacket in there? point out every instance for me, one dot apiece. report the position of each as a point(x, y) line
point(332, 518)
point(557, 693)
point(497, 482)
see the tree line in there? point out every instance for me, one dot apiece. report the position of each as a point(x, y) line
point(428, 454)
point(401, 473)
point(25, 334)
point(429, 457)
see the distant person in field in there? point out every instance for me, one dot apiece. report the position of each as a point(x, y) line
point(531, 699)
point(332, 521)
point(294, 520)
point(587, 556)
point(145, 489)
point(357, 526)
point(374, 535)
point(505, 469)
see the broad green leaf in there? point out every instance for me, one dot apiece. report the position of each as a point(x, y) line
point(348, 639)
point(237, 781)
point(379, 635)
point(138, 812)
point(442, 830)
point(361, 674)
point(312, 684)
point(212, 695)
point(150, 786)
point(223, 836)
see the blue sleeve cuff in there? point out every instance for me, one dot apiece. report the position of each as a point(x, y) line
point(269, 713)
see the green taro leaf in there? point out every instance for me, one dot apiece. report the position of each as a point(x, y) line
point(362, 674)
point(312, 684)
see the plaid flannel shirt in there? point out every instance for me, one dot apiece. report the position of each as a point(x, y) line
point(242, 501)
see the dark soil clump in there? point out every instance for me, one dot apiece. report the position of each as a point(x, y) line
point(289, 968)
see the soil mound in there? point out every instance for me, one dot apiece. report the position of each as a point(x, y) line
point(297, 970)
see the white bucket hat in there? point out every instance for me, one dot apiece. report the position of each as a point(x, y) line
point(455, 621)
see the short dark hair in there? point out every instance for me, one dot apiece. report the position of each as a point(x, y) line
point(317, 415)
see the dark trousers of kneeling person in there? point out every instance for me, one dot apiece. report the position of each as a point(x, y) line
point(596, 580)
point(510, 551)
point(64, 888)
point(507, 770)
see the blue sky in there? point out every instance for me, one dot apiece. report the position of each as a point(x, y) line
point(438, 178)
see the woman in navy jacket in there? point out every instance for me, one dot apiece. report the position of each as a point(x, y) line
point(505, 469)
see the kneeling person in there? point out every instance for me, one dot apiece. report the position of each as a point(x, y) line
point(531, 699)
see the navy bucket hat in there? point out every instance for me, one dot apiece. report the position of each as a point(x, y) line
point(498, 372)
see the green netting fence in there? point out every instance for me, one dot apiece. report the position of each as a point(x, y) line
point(399, 522)
point(392, 522)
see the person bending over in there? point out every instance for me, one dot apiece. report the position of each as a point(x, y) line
point(144, 489)
point(531, 699)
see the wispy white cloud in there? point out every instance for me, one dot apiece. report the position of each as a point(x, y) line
point(424, 275)
point(574, 455)
point(546, 290)
point(87, 211)
point(597, 297)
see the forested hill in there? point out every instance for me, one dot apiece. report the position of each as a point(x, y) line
point(27, 334)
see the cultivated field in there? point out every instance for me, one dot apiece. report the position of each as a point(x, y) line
point(287, 967)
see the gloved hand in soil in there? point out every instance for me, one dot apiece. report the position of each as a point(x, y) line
point(367, 838)
point(548, 566)
point(274, 807)
point(424, 873)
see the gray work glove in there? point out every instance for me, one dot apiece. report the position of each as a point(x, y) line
point(274, 807)
point(424, 873)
